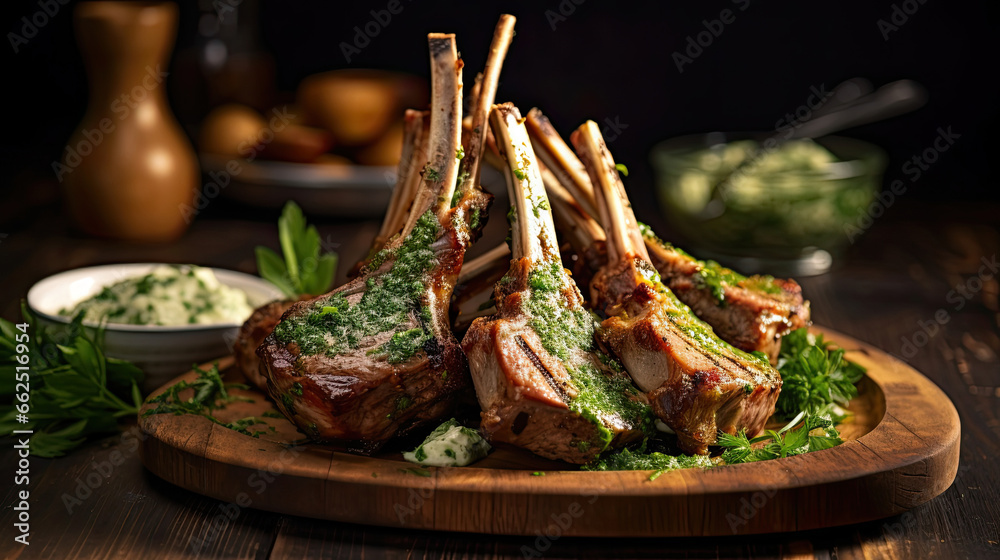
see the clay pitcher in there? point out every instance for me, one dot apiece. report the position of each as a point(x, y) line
point(129, 172)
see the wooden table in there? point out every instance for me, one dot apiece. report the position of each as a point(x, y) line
point(892, 281)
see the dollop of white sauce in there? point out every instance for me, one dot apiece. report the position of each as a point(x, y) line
point(449, 445)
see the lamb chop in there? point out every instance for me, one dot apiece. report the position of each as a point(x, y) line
point(751, 313)
point(541, 382)
point(697, 383)
point(408, 177)
point(265, 318)
point(376, 357)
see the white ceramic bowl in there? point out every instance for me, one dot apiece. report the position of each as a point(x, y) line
point(161, 352)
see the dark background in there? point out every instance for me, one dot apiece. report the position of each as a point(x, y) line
point(602, 60)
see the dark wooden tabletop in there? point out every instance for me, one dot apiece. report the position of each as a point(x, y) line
point(890, 283)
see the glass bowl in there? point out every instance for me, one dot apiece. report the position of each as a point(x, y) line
point(789, 211)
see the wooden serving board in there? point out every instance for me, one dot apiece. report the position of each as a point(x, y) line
point(902, 450)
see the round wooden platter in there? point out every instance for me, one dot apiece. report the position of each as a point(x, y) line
point(902, 450)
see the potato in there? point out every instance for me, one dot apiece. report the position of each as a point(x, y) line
point(385, 151)
point(356, 107)
point(296, 143)
point(228, 129)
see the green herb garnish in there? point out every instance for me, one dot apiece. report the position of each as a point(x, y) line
point(816, 432)
point(304, 270)
point(814, 374)
point(567, 332)
point(713, 276)
point(76, 391)
point(209, 393)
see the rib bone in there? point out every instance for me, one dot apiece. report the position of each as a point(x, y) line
point(613, 210)
point(559, 158)
point(407, 177)
point(441, 170)
point(483, 101)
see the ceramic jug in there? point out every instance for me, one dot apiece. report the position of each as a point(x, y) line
point(128, 172)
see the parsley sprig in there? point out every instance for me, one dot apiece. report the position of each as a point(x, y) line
point(814, 432)
point(814, 374)
point(209, 393)
point(76, 392)
point(816, 381)
point(304, 270)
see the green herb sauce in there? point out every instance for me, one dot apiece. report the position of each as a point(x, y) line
point(715, 277)
point(568, 334)
point(641, 460)
point(334, 326)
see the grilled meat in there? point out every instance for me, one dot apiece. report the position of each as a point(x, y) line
point(540, 380)
point(697, 383)
point(751, 313)
point(264, 319)
point(377, 357)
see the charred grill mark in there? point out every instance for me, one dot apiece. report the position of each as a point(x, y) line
point(535, 361)
point(703, 378)
point(680, 334)
point(435, 353)
point(683, 336)
point(708, 356)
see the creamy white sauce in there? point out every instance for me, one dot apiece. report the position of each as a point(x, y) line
point(167, 296)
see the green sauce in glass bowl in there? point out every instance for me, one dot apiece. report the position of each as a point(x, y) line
point(780, 207)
